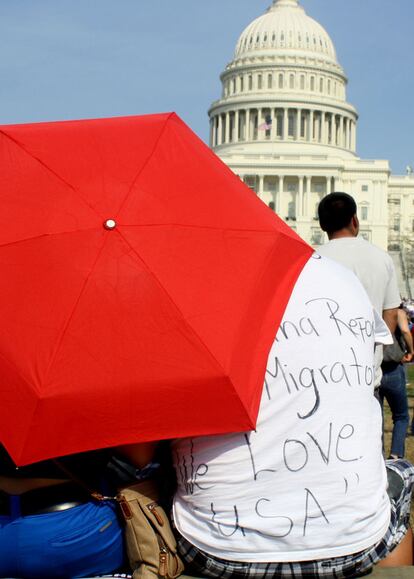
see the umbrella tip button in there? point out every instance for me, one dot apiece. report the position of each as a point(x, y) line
point(109, 224)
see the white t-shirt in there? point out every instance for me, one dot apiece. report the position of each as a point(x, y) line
point(310, 482)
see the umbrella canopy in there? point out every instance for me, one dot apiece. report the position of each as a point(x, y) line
point(141, 286)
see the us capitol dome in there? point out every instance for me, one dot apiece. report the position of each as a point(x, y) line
point(284, 125)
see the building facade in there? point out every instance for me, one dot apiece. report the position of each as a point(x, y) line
point(283, 124)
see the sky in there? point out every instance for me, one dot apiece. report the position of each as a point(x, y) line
point(71, 59)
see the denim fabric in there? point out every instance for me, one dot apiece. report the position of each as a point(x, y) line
point(85, 540)
point(393, 389)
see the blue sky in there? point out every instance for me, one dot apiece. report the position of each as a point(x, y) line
point(62, 59)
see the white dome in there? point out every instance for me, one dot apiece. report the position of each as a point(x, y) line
point(285, 27)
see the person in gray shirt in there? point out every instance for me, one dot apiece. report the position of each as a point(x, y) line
point(337, 214)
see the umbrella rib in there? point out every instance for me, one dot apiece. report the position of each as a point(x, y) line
point(69, 319)
point(45, 166)
point(17, 241)
point(158, 282)
point(140, 170)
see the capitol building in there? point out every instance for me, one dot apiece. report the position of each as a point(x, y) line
point(284, 126)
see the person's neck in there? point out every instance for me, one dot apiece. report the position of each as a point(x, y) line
point(340, 234)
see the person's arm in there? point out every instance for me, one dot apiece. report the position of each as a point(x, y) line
point(405, 331)
point(139, 454)
point(390, 317)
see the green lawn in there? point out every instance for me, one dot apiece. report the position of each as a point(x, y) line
point(409, 443)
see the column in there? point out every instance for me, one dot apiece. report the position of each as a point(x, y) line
point(261, 186)
point(298, 123)
point(220, 130)
point(328, 185)
point(348, 139)
point(341, 131)
point(279, 196)
point(236, 136)
point(247, 124)
point(260, 119)
point(211, 133)
point(311, 126)
point(274, 126)
point(300, 198)
point(308, 196)
point(227, 131)
point(353, 137)
point(323, 131)
point(285, 124)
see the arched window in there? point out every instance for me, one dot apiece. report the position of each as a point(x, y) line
point(259, 81)
point(250, 82)
point(302, 82)
point(269, 81)
point(329, 87)
point(291, 81)
point(234, 85)
point(321, 85)
point(241, 84)
point(280, 81)
point(312, 83)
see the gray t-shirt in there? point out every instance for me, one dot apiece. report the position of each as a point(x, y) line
point(372, 265)
point(375, 270)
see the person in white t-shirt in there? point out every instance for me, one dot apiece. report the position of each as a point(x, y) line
point(374, 267)
point(305, 494)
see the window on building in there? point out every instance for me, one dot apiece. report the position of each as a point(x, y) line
point(279, 126)
point(317, 237)
point(302, 82)
point(280, 81)
point(329, 87)
point(269, 81)
point(312, 83)
point(259, 81)
point(234, 85)
point(250, 82)
point(252, 182)
point(291, 81)
point(364, 212)
point(321, 85)
point(291, 211)
point(396, 224)
point(241, 84)
point(291, 124)
point(364, 188)
point(302, 125)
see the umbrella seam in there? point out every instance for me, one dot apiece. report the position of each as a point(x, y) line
point(49, 169)
point(175, 306)
point(185, 225)
point(70, 317)
point(32, 387)
point(134, 181)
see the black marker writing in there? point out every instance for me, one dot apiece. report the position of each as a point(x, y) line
point(320, 513)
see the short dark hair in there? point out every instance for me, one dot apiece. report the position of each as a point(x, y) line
point(336, 211)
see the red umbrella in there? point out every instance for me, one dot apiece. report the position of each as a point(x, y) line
point(142, 284)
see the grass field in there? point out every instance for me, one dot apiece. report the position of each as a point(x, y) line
point(409, 443)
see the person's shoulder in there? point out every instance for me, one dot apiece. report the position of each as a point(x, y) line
point(328, 270)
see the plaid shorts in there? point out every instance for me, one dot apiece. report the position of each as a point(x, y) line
point(355, 565)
